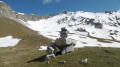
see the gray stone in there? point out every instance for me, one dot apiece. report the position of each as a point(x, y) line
point(63, 50)
point(50, 53)
point(67, 49)
point(48, 56)
point(70, 41)
point(84, 61)
point(62, 62)
point(50, 50)
point(60, 43)
point(52, 44)
point(64, 33)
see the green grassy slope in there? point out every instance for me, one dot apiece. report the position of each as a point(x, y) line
point(30, 43)
point(17, 30)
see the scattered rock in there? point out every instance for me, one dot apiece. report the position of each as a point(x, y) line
point(84, 61)
point(106, 51)
point(99, 45)
point(62, 62)
point(48, 62)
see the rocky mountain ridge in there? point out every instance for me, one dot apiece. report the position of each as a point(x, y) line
point(6, 11)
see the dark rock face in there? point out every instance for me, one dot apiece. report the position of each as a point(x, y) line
point(81, 30)
point(109, 12)
point(90, 21)
point(98, 25)
point(6, 11)
point(73, 19)
point(64, 12)
point(119, 24)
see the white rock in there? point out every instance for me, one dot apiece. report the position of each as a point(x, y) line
point(84, 61)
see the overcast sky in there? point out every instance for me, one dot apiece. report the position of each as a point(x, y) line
point(44, 7)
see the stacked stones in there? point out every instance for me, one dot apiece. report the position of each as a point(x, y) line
point(63, 43)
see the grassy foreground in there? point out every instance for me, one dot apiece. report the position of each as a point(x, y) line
point(30, 57)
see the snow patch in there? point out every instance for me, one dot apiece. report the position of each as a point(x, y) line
point(8, 41)
point(21, 13)
point(43, 48)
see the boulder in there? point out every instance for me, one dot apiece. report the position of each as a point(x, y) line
point(64, 42)
point(67, 49)
point(65, 45)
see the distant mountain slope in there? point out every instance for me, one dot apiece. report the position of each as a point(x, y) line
point(87, 28)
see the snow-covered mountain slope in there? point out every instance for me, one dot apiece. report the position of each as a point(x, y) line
point(87, 28)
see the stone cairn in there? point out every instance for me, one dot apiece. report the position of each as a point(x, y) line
point(66, 45)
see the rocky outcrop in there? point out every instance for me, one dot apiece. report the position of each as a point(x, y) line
point(6, 11)
point(29, 17)
point(64, 12)
point(109, 12)
point(98, 25)
point(89, 21)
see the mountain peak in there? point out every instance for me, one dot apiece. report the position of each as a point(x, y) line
point(2, 4)
point(5, 10)
point(64, 12)
point(2, 1)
